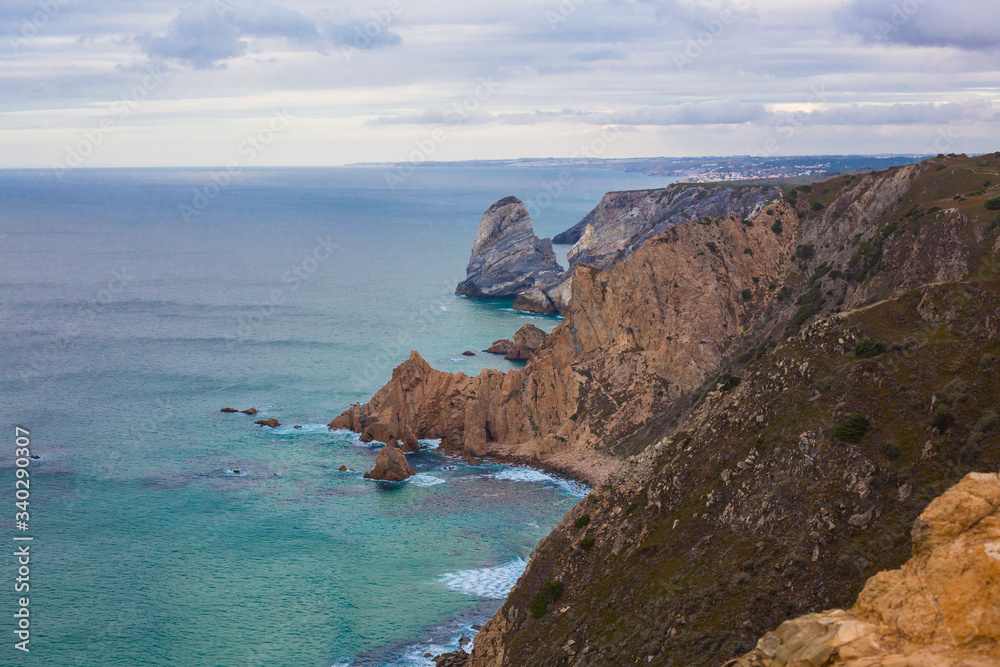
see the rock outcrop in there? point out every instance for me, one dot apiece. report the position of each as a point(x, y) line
point(515, 264)
point(564, 408)
point(702, 384)
point(229, 410)
point(940, 609)
point(391, 465)
point(507, 257)
point(272, 422)
point(526, 341)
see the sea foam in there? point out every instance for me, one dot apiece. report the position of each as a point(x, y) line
point(486, 582)
point(525, 474)
point(423, 479)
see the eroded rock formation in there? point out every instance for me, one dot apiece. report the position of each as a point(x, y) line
point(507, 257)
point(391, 465)
point(526, 341)
point(646, 331)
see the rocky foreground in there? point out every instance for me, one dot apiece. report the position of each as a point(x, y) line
point(942, 608)
point(765, 403)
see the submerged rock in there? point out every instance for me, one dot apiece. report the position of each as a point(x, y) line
point(507, 257)
point(391, 465)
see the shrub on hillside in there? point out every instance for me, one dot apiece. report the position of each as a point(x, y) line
point(550, 592)
point(851, 428)
point(867, 348)
point(582, 522)
point(942, 418)
point(992, 204)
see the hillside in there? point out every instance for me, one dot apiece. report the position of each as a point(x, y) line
point(768, 405)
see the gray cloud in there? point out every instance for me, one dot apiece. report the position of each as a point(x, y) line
point(211, 32)
point(965, 24)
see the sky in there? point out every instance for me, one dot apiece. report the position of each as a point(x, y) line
point(132, 83)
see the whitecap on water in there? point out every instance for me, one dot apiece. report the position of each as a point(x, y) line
point(525, 474)
point(235, 473)
point(486, 582)
point(423, 479)
point(289, 429)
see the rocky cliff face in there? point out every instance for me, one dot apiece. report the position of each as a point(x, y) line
point(565, 408)
point(624, 221)
point(770, 404)
point(940, 609)
point(507, 257)
point(867, 389)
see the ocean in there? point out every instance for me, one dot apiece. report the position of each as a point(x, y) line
point(138, 303)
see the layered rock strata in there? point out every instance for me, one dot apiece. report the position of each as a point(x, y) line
point(507, 258)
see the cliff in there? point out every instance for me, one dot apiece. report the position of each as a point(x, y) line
point(564, 409)
point(766, 405)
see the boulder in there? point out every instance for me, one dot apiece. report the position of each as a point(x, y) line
point(469, 353)
point(391, 465)
point(250, 411)
point(410, 442)
point(502, 346)
point(342, 469)
point(534, 300)
point(272, 422)
point(228, 410)
point(507, 257)
point(526, 341)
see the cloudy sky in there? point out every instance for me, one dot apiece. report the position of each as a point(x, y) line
point(303, 82)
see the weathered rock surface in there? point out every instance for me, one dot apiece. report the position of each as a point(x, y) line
point(731, 507)
point(391, 465)
point(563, 408)
point(507, 257)
point(940, 609)
point(526, 341)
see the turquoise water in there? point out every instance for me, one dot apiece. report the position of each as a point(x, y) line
point(126, 328)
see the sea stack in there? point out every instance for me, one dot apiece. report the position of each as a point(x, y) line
point(507, 257)
point(391, 465)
